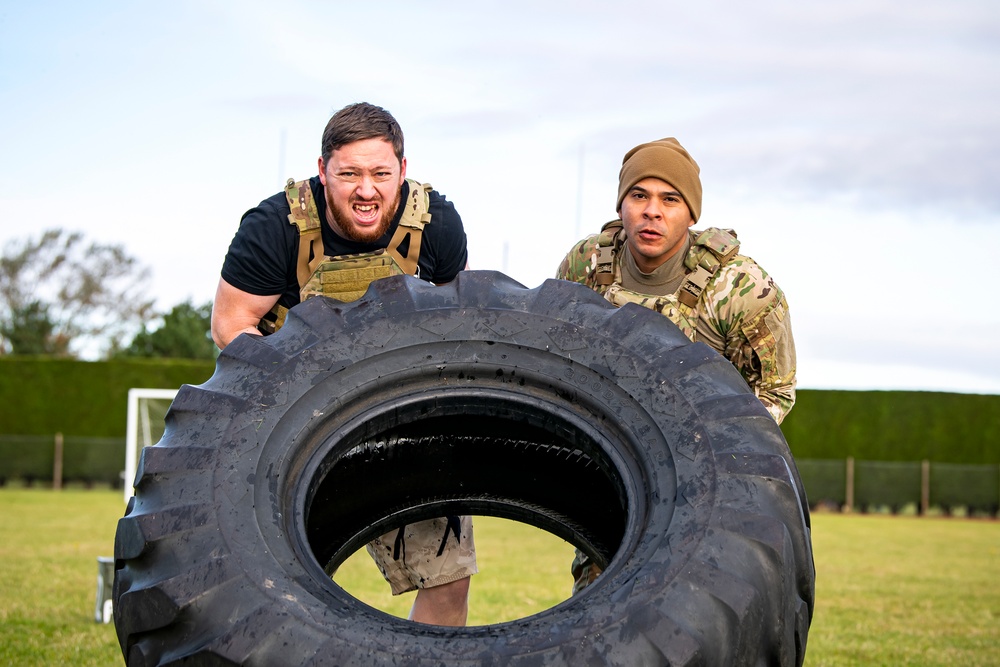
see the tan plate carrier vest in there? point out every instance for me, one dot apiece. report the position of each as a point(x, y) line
point(710, 251)
point(347, 277)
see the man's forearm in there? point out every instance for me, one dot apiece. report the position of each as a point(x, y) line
point(235, 311)
point(224, 338)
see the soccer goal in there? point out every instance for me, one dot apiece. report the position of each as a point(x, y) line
point(146, 411)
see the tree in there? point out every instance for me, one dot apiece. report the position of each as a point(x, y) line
point(30, 331)
point(60, 294)
point(185, 333)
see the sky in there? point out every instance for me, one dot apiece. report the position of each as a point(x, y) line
point(854, 146)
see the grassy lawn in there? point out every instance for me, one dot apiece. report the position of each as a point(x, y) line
point(49, 544)
point(890, 590)
point(905, 591)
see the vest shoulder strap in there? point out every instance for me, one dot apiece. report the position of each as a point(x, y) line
point(608, 249)
point(416, 214)
point(304, 215)
point(712, 248)
point(710, 251)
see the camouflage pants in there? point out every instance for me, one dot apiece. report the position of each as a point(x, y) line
point(426, 554)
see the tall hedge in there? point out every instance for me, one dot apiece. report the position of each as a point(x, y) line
point(40, 396)
point(43, 396)
point(895, 426)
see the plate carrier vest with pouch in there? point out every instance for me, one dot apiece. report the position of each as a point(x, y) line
point(347, 277)
point(710, 251)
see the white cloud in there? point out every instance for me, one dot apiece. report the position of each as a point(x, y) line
point(853, 145)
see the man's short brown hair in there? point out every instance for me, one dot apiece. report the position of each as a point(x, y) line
point(359, 121)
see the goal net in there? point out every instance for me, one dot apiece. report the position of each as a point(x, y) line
point(146, 411)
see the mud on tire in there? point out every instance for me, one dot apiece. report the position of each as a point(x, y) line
point(604, 426)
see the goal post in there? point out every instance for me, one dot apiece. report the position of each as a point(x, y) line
point(146, 410)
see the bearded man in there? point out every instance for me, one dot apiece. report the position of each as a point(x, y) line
point(359, 219)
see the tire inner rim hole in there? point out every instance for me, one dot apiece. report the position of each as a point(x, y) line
point(540, 466)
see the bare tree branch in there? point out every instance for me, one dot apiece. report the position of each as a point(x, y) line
point(79, 292)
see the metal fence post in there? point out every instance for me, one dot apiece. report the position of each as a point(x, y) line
point(57, 463)
point(925, 487)
point(849, 491)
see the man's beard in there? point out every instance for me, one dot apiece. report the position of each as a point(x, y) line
point(351, 231)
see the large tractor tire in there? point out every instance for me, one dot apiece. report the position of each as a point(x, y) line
point(604, 426)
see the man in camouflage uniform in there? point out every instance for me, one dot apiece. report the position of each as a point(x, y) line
point(358, 220)
point(697, 279)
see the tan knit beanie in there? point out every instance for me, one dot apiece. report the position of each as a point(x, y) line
point(666, 160)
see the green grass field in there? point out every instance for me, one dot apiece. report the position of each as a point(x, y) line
point(890, 590)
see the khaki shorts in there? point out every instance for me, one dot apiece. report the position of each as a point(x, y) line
point(584, 571)
point(426, 554)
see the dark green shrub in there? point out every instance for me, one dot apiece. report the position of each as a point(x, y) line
point(895, 426)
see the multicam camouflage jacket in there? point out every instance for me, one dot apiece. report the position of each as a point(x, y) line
point(726, 300)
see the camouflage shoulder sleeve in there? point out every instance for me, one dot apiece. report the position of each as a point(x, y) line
point(578, 264)
point(748, 313)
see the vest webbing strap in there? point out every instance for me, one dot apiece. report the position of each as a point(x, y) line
point(710, 251)
point(304, 215)
point(310, 255)
point(415, 216)
point(693, 285)
point(604, 274)
point(717, 247)
point(609, 244)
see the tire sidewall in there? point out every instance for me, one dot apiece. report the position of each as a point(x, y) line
point(662, 536)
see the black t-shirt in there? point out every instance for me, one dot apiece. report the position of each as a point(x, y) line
point(263, 255)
